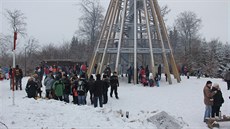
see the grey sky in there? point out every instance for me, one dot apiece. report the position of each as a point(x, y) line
point(55, 21)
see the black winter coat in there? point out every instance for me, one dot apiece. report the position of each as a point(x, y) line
point(31, 88)
point(98, 88)
point(91, 84)
point(105, 86)
point(218, 99)
point(114, 81)
point(67, 84)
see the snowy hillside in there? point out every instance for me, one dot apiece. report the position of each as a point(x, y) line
point(183, 101)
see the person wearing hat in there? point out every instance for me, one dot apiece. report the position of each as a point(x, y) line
point(227, 79)
point(208, 100)
point(218, 100)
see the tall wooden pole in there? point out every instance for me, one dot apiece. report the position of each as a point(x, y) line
point(109, 35)
point(101, 36)
point(161, 41)
point(165, 34)
point(121, 35)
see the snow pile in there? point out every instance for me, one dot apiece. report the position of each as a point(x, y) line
point(164, 121)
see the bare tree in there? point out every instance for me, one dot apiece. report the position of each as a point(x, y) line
point(5, 49)
point(165, 11)
point(91, 20)
point(5, 44)
point(17, 21)
point(188, 26)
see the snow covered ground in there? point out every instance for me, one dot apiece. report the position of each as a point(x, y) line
point(183, 101)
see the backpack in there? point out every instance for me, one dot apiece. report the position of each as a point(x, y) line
point(17, 72)
point(80, 85)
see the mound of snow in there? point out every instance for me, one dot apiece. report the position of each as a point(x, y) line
point(164, 121)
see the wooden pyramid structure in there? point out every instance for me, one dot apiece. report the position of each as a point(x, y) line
point(134, 34)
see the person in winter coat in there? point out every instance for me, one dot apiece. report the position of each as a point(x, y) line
point(208, 101)
point(37, 80)
point(31, 88)
point(142, 73)
point(105, 89)
point(74, 82)
point(159, 71)
point(218, 100)
point(114, 84)
point(130, 74)
point(82, 90)
point(67, 89)
point(156, 79)
point(91, 85)
point(58, 87)
point(18, 77)
point(107, 71)
point(98, 90)
point(147, 72)
point(227, 79)
point(10, 76)
point(48, 82)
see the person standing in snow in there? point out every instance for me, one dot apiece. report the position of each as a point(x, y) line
point(227, 79)
point(58, 87)
point(159, 71)
point(208, 100)
point(67, 89)
point(105, 89)
point(130, 74)
point(107, 71)
point(48, 82)
point(90, 85)
point(218, 100)
point(74, 82)
point(18, 77)
point(82, 90)
point(98, 90)
point(114, 84)
point(147, 72)
point(156, 79)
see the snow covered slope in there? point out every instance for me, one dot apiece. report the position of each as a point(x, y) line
point(183, 101)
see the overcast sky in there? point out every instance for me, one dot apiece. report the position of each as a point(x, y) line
point(55, 21)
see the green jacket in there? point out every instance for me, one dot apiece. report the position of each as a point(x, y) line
point(58, 87)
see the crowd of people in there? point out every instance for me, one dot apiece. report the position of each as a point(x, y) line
point(60, 85)
point(143, 76)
